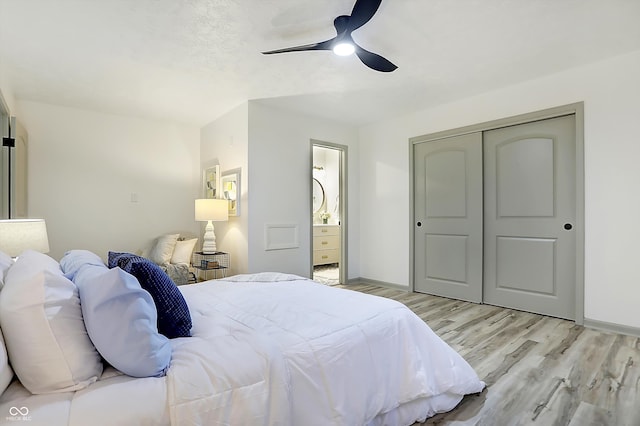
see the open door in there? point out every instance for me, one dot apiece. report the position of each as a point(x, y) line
point(328, 213)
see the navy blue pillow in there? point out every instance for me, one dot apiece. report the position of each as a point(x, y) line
point(174, 318)
point(114, 258)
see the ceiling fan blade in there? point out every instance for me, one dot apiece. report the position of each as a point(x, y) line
point(362, 13)
point(374, 61)
point(323, 45)
point(341, 24)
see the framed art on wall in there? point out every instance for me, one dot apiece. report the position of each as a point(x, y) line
point(230, 190)
point(211, 181)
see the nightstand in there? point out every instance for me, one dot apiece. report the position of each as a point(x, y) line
point(210, 266)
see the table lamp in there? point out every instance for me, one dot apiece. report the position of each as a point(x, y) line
point(210, 210)
point(18, 235)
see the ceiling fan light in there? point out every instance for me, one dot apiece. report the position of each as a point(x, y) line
point(344, 49)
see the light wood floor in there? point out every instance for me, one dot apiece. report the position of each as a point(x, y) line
point(539, 370)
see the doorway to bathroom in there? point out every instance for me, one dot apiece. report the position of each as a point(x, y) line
point(329, 222)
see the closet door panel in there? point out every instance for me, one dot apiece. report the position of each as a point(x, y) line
point(448, 213)
point(529, 211)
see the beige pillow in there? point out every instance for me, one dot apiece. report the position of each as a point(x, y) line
point(183, 251)
point(163, 249)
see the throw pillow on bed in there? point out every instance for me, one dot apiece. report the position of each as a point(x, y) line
point(112, 258)
point(121, 319)
point(5, 263)
point(73, 260)
point(183, 251)
point(163, 248)
point(174, 318)
point(6, 372)
point(43, 328)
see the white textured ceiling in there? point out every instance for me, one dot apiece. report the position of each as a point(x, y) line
point(193, 60)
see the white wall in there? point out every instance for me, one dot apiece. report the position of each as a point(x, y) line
point(225, 141)
point(84, 167)
point(610, 91)
point(7, 94)
point(280, 174)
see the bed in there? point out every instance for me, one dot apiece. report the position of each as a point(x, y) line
point(272, 349)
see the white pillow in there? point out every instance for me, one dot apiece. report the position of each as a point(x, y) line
point(6, 373)
point(183, 251)
point(5, 263)
point(264, 277)
point(41, 319)
point(163, 249)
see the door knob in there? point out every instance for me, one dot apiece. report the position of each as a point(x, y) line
point(568, 226)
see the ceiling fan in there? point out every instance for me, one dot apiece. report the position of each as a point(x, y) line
point(342, 44)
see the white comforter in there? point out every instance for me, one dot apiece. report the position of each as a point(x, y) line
point(289, 352)
point(297, 352)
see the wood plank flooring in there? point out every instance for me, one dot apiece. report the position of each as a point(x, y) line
point(539, 370)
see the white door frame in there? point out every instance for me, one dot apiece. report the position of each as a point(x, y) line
point(343, 151)
point(576, 109)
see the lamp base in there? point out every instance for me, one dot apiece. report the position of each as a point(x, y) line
point(209, 239)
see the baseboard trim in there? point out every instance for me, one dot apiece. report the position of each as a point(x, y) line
point(611, 327)
point(377, 283)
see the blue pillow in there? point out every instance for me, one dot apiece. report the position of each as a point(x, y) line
point(174, 318)
point(113, 258)
point(73, 260)
point(120, 318)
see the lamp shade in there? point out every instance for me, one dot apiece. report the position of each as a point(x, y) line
point(18, 235)
point(212, 209)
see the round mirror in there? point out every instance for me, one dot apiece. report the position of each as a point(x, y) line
point(318, 195)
